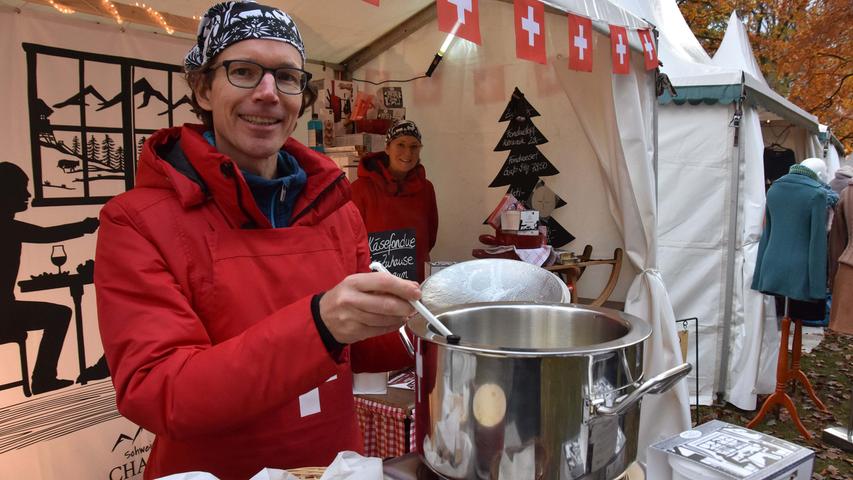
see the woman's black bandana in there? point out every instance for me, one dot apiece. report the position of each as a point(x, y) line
point(403, 127)
point(230, 22)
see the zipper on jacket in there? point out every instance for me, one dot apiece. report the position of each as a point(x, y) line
point(317, 198)
point(281, 196)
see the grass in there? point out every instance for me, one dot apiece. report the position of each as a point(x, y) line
point(829, 367)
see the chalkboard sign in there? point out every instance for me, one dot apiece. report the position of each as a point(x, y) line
point(395, 249)
point(520, 134)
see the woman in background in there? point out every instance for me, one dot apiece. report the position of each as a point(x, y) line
point(393, 193)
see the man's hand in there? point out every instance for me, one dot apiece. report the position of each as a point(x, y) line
point(365, 305)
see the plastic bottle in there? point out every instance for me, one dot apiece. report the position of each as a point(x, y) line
point(315, 133)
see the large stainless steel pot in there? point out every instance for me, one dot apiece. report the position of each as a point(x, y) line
point(548, 391)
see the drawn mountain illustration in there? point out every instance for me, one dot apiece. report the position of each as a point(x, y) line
point(183, 100)
point(80, 98)
point(140, 86)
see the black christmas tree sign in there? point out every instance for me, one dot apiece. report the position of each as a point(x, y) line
point(526, 164)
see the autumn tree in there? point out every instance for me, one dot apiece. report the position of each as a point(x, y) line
point(804, 49)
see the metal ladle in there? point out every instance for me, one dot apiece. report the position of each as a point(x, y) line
point(421, 308)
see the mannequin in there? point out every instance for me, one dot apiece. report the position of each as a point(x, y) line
point(813, 313)
point(792, 263)
point(816, 165)
point(793, 251)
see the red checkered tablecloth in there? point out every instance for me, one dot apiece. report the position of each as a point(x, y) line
point(384, 428)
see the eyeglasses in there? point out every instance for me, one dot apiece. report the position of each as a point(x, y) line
point(246, 74)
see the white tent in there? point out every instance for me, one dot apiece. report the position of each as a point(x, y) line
point(711, 196)
point(833, 150)
point(600, 129)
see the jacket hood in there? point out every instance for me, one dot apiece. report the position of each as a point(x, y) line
point(181, 160)
point(374, 167)
point(844, 172)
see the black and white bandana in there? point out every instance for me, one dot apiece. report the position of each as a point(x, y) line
point(227, 23)
point(403, 127)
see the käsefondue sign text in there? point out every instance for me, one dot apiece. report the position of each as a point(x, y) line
point(395, 250)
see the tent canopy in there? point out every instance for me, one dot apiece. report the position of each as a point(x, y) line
point(684, 60)
point(731, 74)
point(355, 23)
point(736, 52)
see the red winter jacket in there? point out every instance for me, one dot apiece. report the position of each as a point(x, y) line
point(386, 204)
point(205, 315)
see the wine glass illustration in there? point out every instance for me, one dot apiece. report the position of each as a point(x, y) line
point(58, 257)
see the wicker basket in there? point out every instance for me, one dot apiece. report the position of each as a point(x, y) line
point(308, 473)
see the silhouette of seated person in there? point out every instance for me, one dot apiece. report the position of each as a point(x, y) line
point(16, 315)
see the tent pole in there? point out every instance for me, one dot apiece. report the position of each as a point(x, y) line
point(734, 210)
point(655, 146)
point(655, 104)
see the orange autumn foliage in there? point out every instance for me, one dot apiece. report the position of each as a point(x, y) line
point(804, 49)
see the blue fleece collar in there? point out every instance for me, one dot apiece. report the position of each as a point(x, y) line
point(275, 197)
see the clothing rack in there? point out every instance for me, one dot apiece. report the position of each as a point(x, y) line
point(779, 139)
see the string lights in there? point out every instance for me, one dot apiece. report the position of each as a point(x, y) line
point(110, 7)
point(62, 8)
point(157, 17)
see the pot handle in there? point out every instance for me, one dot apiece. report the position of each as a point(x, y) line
point(657, 384)
point(406, 342)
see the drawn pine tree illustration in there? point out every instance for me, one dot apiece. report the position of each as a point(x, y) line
point(139, 145)
point(75, 145)
point(525, 163)
point(108, 152)
point(120, 160)
point(94, 150)
point(523, 169)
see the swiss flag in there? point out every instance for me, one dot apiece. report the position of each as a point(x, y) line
point(580, 43)
point(373, 2)
point(619, 49)
point(530, 30)
point(465, 13)
point(650, 53)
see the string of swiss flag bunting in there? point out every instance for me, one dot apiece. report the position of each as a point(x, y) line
point(529, 26)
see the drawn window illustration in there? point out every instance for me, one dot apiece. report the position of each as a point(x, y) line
point(90, 115)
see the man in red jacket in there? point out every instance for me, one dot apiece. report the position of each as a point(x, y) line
point(232, 295)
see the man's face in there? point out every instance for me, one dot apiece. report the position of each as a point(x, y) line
point(251, 124)
point(404, 153)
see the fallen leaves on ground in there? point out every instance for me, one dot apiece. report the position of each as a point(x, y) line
point(828, 368)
